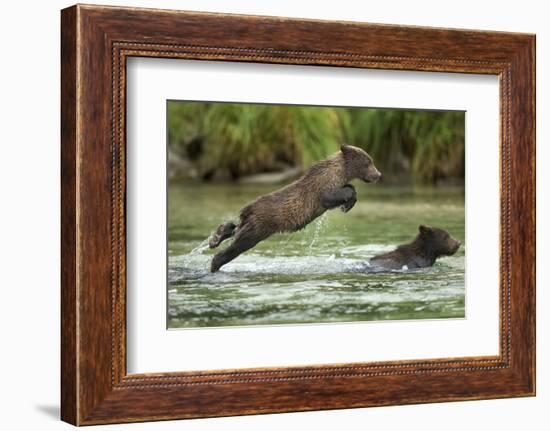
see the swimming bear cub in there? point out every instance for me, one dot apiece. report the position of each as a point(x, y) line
point(324, 186)
point(429, 244)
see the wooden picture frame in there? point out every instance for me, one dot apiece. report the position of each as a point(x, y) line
point(95, 43)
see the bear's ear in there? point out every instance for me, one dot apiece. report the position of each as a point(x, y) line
point(423, 229)
point(345, 148)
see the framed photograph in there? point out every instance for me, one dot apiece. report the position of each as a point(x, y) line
point(263, 214)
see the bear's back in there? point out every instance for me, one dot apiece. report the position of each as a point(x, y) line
point(297, 204)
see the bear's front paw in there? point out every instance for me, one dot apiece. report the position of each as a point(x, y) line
point(350, 198)
point(349, 204)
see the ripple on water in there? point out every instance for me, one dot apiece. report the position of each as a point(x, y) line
point(317, 274)
point(259, 289)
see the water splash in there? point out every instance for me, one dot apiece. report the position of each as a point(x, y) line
point(320, 225)
point(179, 265)
point(203, 246)
point(196, 254)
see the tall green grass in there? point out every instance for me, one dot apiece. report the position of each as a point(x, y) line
point(243, 139)
point(425, 145)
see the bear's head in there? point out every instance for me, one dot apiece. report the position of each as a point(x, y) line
point(359, 164)
point(437, 241)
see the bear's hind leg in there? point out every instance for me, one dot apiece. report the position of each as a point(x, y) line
point(223, 232)
point(244, 240)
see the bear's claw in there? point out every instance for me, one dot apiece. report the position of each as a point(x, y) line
point(349, 204)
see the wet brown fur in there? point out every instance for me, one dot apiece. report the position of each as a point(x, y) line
point(296, 205)
point(430, 244)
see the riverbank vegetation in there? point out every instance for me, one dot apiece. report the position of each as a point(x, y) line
point(229, 141)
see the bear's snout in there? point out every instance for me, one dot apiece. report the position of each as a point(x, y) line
point(373, 175)
point(455, 246)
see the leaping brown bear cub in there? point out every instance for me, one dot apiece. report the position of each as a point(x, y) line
point(324, 186)
point(430, 244)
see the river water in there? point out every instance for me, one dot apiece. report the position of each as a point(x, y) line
point(311, 276)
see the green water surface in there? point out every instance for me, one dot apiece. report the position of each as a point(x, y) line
point(317, 275)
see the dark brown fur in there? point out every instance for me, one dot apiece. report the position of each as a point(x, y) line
point(323, 186)
point(429, 244)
